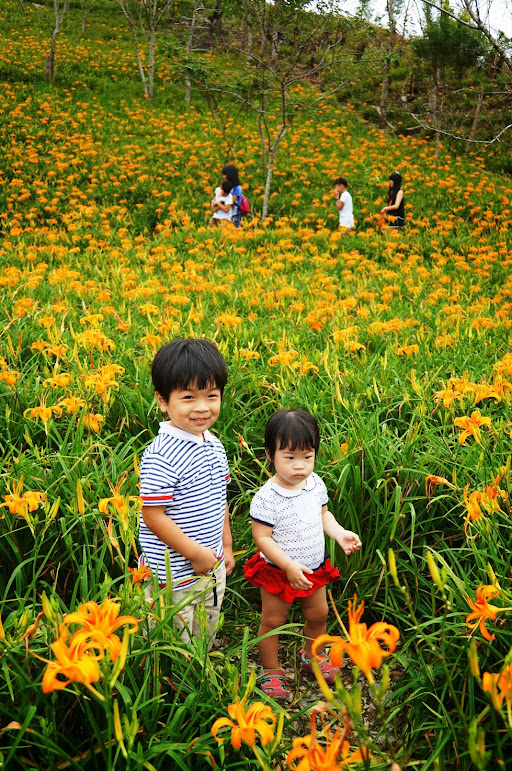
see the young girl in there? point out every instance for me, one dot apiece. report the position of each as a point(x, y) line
point(396, 202)
point(289, 519)
point(222, 204)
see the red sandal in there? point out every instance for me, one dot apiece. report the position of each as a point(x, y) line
point(326, 668)
point(272, 683)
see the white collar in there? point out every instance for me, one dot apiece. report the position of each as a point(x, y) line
point(166, 427)
point(310, 485)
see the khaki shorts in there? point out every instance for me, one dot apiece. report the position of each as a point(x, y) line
point(200, 605)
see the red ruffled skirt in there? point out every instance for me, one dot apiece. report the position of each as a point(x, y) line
point(260, 573)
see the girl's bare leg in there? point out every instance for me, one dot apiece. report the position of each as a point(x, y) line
point(273, 615)
point(315, 611)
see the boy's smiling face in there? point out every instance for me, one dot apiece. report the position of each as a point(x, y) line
point(192, 409)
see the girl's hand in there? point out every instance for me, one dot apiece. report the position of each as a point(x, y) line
point(296, 577)
point(349, 541)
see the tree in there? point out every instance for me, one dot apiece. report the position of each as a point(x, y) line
point(144, 18)
point(445, 45)
point(289, 49)
point(58, 13)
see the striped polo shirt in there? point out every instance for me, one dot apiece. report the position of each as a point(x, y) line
point(188, 475)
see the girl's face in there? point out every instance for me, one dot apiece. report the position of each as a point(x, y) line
point(391, 184)
point(293, 468)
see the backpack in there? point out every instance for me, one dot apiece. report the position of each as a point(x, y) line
point(244, 206)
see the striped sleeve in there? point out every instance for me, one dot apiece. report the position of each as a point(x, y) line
point(157, 480)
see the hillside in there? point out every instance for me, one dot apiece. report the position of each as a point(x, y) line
point(398, 343)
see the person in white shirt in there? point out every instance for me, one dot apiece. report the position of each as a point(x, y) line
point(344, 203)
point(222, 204)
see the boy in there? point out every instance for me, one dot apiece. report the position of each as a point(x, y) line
point(184, 474)
point(222, 204)
point(344, 203)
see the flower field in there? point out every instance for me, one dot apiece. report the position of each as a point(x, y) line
point(399, 344)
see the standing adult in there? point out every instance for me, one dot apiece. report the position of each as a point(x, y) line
point(395, 210)
point(344, 204)
point(230, 173)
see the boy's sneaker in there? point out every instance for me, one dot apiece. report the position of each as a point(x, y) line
point(272, 682)
point(326, 668)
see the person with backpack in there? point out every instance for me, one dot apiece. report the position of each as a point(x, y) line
point(240, 205)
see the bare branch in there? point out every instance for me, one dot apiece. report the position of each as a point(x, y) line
point(485, 142)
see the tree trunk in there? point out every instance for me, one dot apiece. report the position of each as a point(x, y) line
point(387, 66)
point(151, 62)
point(49, 65)
point(263, 143)
point(270, 169)
point(472, 133)
point(188, 50)
point(216, 21)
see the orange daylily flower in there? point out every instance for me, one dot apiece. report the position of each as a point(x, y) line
point(140, 574)
point(499, 685)
point(482, 610)
point(74, 662)
point(431, 480)
point(119, 503)
point(20, 504)
point(362, 644)
point(99, 622)
point(43, 412)
point(247, 726)
point(471, 426)
point(307, 754)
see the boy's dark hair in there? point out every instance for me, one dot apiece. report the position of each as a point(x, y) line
point(341, 181)
point(293, 430)
point(226, 186)
point(182, 364)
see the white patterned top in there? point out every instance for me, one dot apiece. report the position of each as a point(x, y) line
point(295, 517)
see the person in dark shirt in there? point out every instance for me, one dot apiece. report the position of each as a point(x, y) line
point(395, 211)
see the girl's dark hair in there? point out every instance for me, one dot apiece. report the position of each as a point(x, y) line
point(341, 181)
point(293, 430)
point(183, 364)
point(231, 174)
point(397, 184)
point(226, 186)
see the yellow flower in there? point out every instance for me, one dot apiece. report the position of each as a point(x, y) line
point(93, 421)
point(471, 426)
point(43, 412)
point(447, 396)
point(71, 404)
point(247, 725)
point(362, 644)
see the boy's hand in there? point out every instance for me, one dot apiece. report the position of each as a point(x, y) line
point(204, 561)
point(296, 577)
point(229, 560)
point(349, 541)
